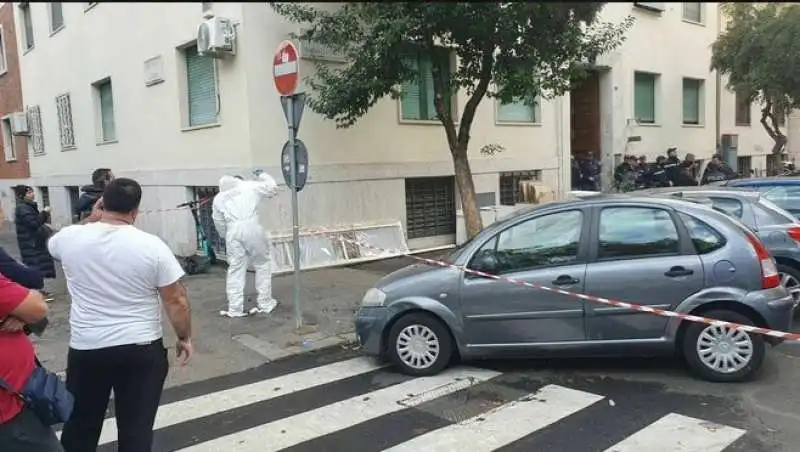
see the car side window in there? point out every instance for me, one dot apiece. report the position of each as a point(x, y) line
point(704, 238)
point(547, 240)
point(728, 205)
point(784, 197)
point(633, 232)
point(765, 216)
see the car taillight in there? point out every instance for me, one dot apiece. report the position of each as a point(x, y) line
point(769, 271)
point(794, 232)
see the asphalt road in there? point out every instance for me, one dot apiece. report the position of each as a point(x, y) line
point(336, 400)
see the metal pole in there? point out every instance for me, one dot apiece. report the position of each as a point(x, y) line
point(298, 313)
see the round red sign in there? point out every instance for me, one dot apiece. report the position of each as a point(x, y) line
point(285, 68)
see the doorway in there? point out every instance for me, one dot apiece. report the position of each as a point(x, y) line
point(585, 126)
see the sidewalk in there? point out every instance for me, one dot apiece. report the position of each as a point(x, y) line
point(329, 297)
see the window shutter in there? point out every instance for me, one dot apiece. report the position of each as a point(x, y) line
point(411, 96)
point(107, 124)
point(202, 88)
point(691, 101)
point(516, 112)
point(644, 98)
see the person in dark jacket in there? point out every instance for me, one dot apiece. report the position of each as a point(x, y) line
point(33, 232)
point(717, 170)
point(91, 193)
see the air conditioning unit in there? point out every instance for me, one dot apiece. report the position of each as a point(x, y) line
point(19, 124)
point(216, 37)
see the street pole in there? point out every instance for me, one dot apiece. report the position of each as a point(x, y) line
point(298, 313)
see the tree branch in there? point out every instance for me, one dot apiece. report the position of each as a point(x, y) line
point(445, 117)
point(773, 130)
point(487, 64)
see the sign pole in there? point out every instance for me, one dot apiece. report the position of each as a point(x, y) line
point(298, 313)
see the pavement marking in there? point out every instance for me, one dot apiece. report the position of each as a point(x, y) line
point(208, 404)
point(676, 433)
point(505, 424)
point(322, 421)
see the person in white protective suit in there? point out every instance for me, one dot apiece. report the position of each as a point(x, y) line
point(235, 214)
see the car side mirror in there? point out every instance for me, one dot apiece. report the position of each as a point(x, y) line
point(485, 262)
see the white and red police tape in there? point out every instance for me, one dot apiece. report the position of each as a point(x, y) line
point(786, 336)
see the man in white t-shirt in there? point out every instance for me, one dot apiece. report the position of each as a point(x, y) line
point(117, 277)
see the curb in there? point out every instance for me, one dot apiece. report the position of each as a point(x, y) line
point(273, 352)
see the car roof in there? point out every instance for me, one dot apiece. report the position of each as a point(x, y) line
point(734, 192)
point(773, 180)
point(605, 199)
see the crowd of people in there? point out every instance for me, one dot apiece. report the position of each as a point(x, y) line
point(119, 279)
point(637, 173)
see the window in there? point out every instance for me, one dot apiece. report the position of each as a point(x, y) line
point(548, 240)
point(768, 214)
point(201, 85)
point(417, 98)
point(64, 109)
point(730, 206)
point(510, 193)
point(8, 141)
point(44, 196)
point(27, 25)
point(3, 59)
point(693, 12)
point(692, 101)
point(744, 163)
point(35, 124)
point(204, 215)
point(105, 97)
point(705, 238)
point(430, 206)
point(519, 112)
point(785, 197)
point(743, 109)
point(56, 16)
point(644, 97)
point(631, 232)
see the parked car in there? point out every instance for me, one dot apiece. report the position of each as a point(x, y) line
point(784, 191)
point(658, 252)
point(778, 229)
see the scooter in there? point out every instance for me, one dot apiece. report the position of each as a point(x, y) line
point(195, 264)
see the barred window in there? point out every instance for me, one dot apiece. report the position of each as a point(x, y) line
point(509, 185)
point(66, 132)
point(35, 124)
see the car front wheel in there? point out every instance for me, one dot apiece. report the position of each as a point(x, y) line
point(419, 345)
point(722, 354)
point(790, 279)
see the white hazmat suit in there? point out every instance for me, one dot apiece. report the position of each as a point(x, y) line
point(235, 215)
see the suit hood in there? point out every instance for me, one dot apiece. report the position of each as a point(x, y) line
point(227, 183)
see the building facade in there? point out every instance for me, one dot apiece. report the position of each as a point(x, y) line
point(122, 86)
point(14, 164)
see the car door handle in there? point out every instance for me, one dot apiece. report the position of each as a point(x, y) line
point(565, 280)
point(674, 272)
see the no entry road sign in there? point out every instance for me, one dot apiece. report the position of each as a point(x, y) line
point(285, 68)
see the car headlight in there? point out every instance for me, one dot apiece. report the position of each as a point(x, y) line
point(373, 297)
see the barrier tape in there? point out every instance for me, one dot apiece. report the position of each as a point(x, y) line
point(786, 336)
point(172, 209)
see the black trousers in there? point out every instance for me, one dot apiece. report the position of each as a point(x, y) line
point(136, 373)
point(26, 433)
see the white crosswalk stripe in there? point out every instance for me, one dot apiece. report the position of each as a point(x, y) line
point(206, 422)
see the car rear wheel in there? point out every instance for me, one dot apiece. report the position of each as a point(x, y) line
point(419, 345)
point(722, 354)
point(790, 279)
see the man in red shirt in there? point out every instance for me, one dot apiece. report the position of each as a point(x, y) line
point(20, 429)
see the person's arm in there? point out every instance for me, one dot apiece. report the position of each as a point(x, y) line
point(175, 298)
point(264, 186)
point(218, 218)
point(19, 306)
point(18, 273)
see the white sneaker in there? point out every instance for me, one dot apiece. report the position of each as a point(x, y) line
point(267, 308)
point(233, 315)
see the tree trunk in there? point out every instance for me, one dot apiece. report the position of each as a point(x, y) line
point(466, 191)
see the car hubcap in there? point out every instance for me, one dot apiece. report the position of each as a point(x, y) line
point(792, 285)
point(724, 349)
point(418, 346)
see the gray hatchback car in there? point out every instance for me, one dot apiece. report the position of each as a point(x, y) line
point(657, 252)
